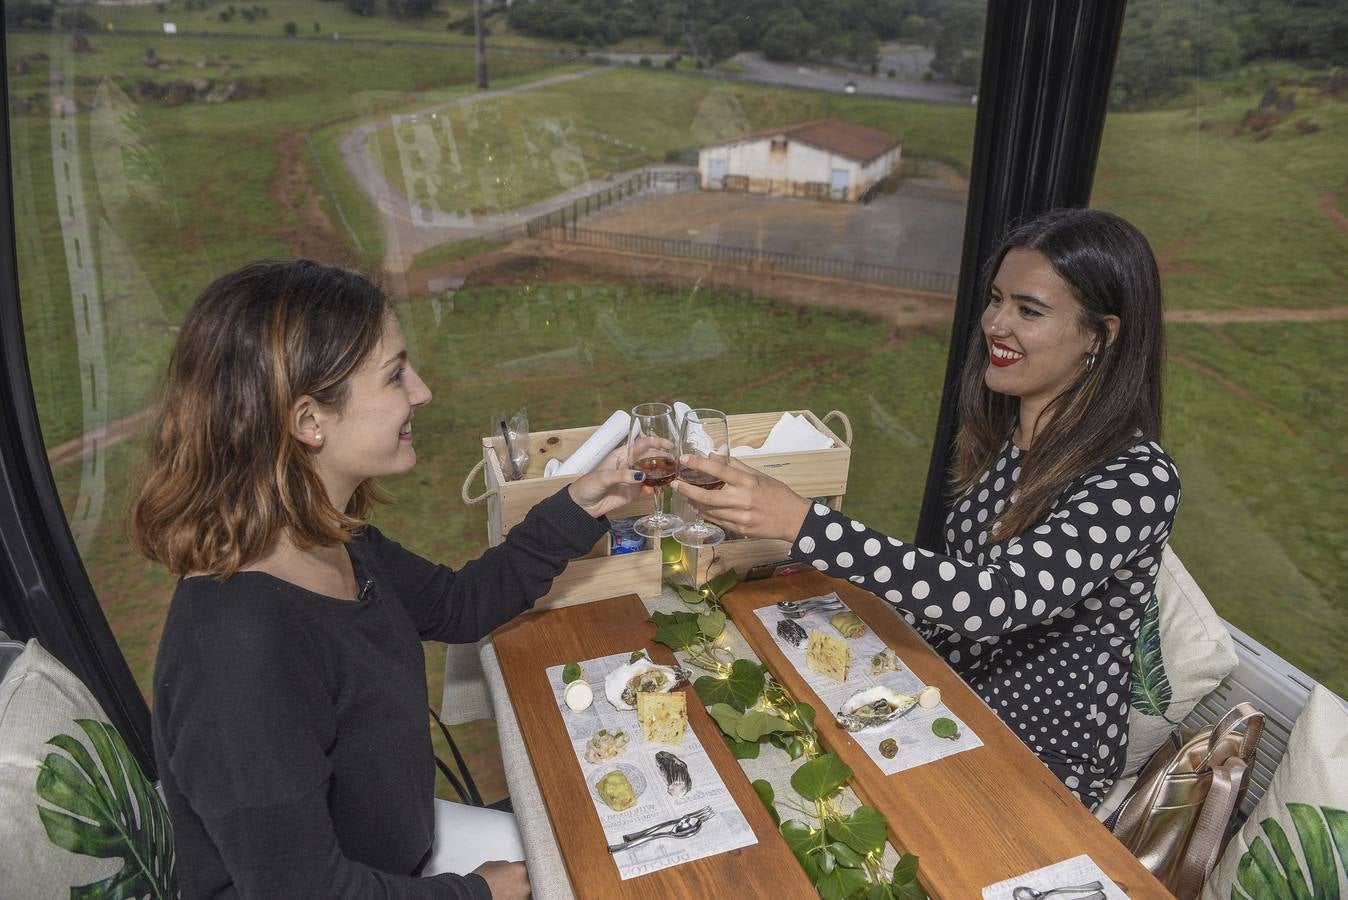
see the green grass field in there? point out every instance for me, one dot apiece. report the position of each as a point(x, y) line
point(176, 195)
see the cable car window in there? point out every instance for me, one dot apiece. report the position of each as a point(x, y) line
point(754, 214)
point(1225, 144)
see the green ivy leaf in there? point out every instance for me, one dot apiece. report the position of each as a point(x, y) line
point(801, 838)
point(722, 583)
point(570, 672)
point(742, 749)
point(688, 595)
point(712, 624)
point(820, 777)
point(879, 892)
point(905, 885)
point(765, 793)
point(663, 618)
point(845, 855)
point(805, 713)
point(863, 830)
point(825, 859)
point(754, 725)
point(840, 883)
point(677, 635)
point(740, 689)
point(727, 716)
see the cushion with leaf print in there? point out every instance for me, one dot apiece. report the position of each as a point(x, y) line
point(1295, 843)
point(77, 816)
point(1183, 651)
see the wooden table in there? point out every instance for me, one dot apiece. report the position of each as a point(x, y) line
point(526, 647)
point(974, 818)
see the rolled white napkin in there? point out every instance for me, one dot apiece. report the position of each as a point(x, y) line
point(589, 454)
point(698, 438)
point(791, 432)
point(551, 468)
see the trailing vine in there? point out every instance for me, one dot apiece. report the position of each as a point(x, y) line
point(841, 854)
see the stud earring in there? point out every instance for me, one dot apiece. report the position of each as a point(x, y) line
point(318, 437)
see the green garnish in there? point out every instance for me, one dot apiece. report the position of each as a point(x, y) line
point(570, 673)
point(945, 728)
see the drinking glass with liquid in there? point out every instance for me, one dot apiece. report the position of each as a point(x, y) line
point(652, 447)
point(703, 434)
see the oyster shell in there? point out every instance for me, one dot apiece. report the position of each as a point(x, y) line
point(791, 632)
point(874, 707)
point(623, 683)
point(675, 772)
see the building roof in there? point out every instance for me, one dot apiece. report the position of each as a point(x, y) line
point(834, 135)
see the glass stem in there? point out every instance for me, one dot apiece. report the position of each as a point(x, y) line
point(659, 497)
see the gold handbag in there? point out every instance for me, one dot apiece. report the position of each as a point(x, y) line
point(1177, 817)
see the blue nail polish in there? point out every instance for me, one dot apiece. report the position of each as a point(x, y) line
point(638, 476)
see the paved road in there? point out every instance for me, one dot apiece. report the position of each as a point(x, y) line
point(907, 63)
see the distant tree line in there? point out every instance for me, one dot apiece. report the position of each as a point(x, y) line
point(1166, 45)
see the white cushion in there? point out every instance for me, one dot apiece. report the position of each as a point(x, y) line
point(1304, 812)
point(44, 850)
point(1196, 653)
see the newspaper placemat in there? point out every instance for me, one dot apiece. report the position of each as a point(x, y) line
point(912, 732)
point(1079, 871)
point(657, 800)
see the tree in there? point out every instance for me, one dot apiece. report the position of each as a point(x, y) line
point(722, 42)
point(958, 47)
point(361, 7)
point(291, 29)
point(410, 9)
point(788, 37)
point(1165, 44)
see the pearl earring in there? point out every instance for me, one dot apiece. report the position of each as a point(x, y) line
point(318, 437)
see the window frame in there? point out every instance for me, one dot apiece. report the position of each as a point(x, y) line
point(1042, 101)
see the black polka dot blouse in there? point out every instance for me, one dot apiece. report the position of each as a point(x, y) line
point(1042, 625)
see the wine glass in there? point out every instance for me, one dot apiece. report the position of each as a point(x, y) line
point(652, 447)
point(703, 433)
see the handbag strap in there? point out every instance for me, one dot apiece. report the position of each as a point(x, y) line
point(1242, 714)
point(1206, 842)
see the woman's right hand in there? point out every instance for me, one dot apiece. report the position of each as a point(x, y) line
point(507, 880)
point(751, 503)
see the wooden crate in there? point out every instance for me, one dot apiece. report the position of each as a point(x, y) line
point(821, 474)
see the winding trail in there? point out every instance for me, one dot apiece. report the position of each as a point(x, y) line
point(408, 231)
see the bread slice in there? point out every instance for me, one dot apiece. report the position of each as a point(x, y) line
point(663, 717)
point(828, 656)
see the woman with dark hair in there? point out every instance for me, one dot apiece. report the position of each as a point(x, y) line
point(1062, 499)
point(290, 702)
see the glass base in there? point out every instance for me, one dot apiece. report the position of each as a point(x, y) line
point(699, 534)
point(654, 526)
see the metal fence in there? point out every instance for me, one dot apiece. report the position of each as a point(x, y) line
point(851, 270)
point(651, 181)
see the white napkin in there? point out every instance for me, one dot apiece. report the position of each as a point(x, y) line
point(589, 454)
point(791, 432)
point(1077, 870)
point(698, 438)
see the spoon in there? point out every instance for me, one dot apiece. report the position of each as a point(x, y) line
point(684, 828)
point(794, 609)
point(1028, 893)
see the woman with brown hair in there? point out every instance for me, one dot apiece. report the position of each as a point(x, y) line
point(1062, 499)
point(290, 702)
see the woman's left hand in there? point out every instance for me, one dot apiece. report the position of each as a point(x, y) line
point(609, 486)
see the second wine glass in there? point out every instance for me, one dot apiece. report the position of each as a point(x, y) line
point(704, 434)
point(652, 447)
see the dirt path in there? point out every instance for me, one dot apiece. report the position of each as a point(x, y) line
point(313, 236)
point(1329, 203)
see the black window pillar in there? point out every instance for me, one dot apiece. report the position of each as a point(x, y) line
point(44, 590)
point(1041, 114)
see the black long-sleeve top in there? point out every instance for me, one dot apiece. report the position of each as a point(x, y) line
point(291, 728)
point(1042, 625)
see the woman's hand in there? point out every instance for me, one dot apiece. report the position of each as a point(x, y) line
point(507, 880)
point(609, 486)
point(751, 503)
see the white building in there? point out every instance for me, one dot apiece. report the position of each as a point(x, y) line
point(827, 158)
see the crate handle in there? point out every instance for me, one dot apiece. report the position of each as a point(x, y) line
point(472, 473)
point(846, 423)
